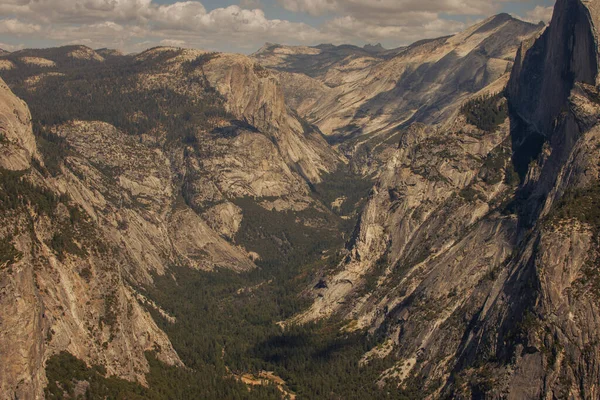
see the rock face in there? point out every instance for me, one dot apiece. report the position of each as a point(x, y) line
point(96, 217)
point(225, 219)
point(17, 144)
point(372, 93)
point(63, 286)
point(485, 287)
point(254, 94)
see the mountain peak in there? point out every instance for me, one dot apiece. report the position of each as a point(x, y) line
point(374, 47)
point(503, 17)
point(106, 52)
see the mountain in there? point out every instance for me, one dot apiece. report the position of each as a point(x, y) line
point(136, 165)
point(61, 56)
point(319, 222)
point(377, 48)
point(107, 53)
point(365, 95)
point(315, 62)
point(476, 255)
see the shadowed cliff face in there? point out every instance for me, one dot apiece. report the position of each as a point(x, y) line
point(486, 287)
point(546, 69)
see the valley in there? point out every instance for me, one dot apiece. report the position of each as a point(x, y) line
point(327, 222)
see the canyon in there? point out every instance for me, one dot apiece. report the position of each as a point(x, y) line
point(350, 222)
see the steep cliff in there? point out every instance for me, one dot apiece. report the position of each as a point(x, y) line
point(473, 267)
point(65, 285)
point(476, 256)
point(18, 143)
point(132, 170)
point(255, 95)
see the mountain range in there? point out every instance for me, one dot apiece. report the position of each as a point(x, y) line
point(305, 222)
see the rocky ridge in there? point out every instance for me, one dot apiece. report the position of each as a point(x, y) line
point(99, 213)
point(474, 259)
point(366, 95)
point(484, 286)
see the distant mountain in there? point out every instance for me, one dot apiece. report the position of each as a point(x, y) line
point(377, 48)
point(106, 53)
point(66, 56)
point(360, 92)
point(320, 222)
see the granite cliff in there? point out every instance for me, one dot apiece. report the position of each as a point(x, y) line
point(176, 189)
point(93, 214)
point(476, 255)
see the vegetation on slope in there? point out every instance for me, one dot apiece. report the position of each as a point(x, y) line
point(69, 377)
point(8, 253)
point(16, 191)
point(584, 205)
point(226, 323)
point(115, 92)
point(347, 185)
point(486, 112)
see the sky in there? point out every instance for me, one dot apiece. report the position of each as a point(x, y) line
point(244, 25)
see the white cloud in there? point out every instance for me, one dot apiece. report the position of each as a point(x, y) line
point(394, 21)
point(539, 13)
point(11, 47)
point(14, 26)
point(77, 11)
point(350, 28)
point(366, 9)
point(313, 7)
point(129, 24)
point(172, 42)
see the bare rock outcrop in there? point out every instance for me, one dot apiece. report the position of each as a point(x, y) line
point(483, 286)
point(17, 144)
point(224, 219)
point(370, 94)
point(254, 94)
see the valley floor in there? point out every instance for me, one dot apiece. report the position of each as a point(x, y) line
point(229, 328)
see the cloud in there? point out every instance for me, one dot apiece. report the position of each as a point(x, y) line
point(77, 11)
point(394, 21)
point(172, 42)
point(370, 9)
point(11, 47)
point(539, 13)
point(351, 28)
point(130, 24)
point(313, 7)
point(127, 23)
point(16, 27)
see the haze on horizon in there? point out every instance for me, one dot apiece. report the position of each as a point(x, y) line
point(244, 25)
